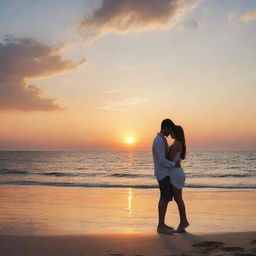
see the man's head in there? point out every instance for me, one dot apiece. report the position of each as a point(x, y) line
point(167, 126)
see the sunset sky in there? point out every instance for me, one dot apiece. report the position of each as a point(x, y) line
point(101, 75)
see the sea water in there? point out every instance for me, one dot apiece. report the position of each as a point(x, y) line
point(46, 192)
point(204, 169)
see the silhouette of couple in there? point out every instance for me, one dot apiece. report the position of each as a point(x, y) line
point(169, 174)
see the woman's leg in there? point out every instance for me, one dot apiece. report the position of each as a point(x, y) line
point(177, 194)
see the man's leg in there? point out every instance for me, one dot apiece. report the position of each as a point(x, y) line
point(165, 197)
point(162, 207)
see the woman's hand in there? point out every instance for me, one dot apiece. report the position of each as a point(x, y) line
point(178, 164)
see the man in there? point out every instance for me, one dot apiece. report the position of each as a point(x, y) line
point(162, 168)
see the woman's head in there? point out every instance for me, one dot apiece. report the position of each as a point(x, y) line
point(178, 134)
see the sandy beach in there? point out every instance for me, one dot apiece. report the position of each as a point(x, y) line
point(130, 244)
point(44, 220)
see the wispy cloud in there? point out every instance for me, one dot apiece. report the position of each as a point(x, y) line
point(248, 16)
point(193, 24)
point(21, 60)
point(125, 16)
point(113, 91)
point(237, 20)
point(120, 105)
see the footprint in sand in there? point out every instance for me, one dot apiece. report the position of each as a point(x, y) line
point(208, 244)
point(233, 249)
point(253, 250)
point(244, 254)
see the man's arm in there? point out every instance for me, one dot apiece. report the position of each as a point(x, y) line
point(159, 150)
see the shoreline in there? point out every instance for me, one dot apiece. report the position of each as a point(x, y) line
point(146, 187)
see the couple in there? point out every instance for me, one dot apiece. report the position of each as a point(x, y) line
point(169, 174)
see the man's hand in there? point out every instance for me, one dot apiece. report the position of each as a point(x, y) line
point(178, 164)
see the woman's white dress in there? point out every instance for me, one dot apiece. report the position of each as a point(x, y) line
point(177, 175)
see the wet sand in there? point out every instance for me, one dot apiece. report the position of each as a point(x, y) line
point(44, 220)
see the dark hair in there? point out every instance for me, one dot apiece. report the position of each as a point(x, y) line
point(167, 123)
point(179, 136)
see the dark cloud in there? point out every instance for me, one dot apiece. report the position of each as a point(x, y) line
point(21, 60)
point(124, 16)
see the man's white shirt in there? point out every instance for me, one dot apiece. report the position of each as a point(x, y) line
point(161, 164)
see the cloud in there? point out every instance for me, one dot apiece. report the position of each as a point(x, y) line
point(124, 16)
point(118, 106)
point(237, 20)
point(113, 91)
point(250, 15)
point(233, 19)
point(21, 60)
point(193, 24)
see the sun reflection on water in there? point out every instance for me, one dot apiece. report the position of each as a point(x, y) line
point(129, 201)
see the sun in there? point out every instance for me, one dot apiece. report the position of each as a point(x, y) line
point(129, 140)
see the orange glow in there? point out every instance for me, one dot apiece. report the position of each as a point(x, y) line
point(129, 140)
point(71, 130)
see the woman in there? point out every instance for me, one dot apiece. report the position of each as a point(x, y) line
point(177, 151)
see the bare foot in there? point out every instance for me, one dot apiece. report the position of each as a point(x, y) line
point(169, 227)
point(164, 230)
point(181, 228)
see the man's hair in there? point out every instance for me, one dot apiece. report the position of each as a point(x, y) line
point(167, 123)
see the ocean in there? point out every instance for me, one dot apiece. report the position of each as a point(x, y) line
point(204, 169)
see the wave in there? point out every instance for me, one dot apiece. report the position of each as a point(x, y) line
point(75, 174)
point(129, 175)
point(105, 185)
point(221, 186)
point(219, 175)
point(81, 168)
point(68, 184)
point(8, 171)
point(118, 175)
point(69, 174)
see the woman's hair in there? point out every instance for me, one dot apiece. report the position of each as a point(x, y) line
point(179, 136)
